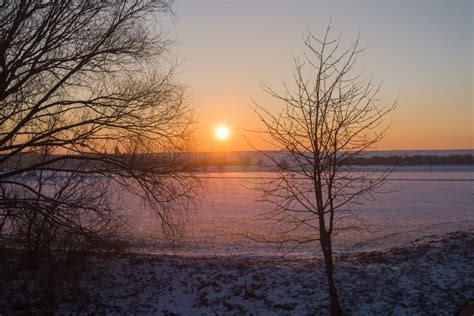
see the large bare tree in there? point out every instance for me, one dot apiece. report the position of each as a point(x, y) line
point(330, 116)
point(88, 107)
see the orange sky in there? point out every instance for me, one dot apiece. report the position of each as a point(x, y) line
point(421, 50)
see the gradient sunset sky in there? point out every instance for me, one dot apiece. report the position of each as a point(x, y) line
point(422, 51)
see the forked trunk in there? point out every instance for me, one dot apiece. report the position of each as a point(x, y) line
point(327, 252)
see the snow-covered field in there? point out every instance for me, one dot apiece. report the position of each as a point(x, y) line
point(434, 278)
point(416, 258)
point(423, 203)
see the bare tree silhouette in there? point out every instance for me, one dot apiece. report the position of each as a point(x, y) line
point(330, 117)
point(87, 100)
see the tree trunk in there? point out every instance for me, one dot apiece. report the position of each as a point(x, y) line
point(327, 252)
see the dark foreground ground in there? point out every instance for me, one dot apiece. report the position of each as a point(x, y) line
point(431, 278)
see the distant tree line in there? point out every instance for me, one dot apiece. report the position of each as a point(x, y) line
point(417, 160)
point(394, 160)
point(183, 162)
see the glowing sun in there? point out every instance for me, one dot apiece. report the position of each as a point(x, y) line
point(222, 132)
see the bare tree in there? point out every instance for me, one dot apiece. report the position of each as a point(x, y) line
point(86, 109)
point(330, 116)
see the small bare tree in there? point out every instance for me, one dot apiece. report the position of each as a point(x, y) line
point(87, 103)
point(330, 117)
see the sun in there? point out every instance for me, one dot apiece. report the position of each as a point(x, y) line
point(222, 132)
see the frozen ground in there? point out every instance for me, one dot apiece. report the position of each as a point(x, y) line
point(416, 258)
point(434, 278)
point(422, 202)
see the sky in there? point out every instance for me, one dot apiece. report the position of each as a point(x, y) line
point(421, 51)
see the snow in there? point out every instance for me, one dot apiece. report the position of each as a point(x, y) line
point(415, 258)
point(433, 277)
point(421, 203)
